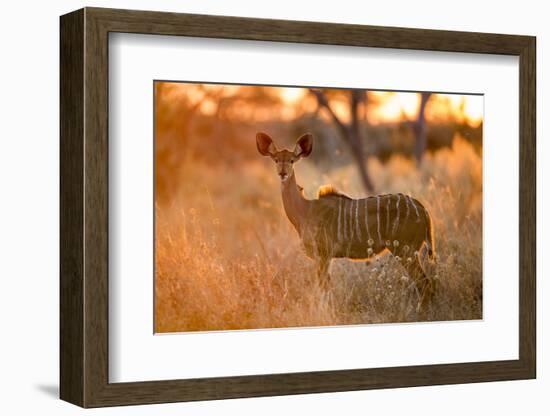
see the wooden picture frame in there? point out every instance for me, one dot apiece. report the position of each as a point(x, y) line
point(84, 207)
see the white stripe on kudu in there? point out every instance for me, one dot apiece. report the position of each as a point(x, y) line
point(357, 228)
point(351, 219)
point(339, 216)
point(388, 216)
point(378, 217)
point(367, 217)
point(416, 209)
point(408, 208)
point(396, 222)
point(344, 222)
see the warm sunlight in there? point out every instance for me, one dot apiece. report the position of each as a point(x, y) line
point(392, 106)
point(245, 240)
point(291, 95)
point(382, 106)
point(462, 108)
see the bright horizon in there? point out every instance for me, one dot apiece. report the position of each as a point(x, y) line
point(382, 106)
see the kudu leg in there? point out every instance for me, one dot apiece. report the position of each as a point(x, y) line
point(423, 283)
point(412, 264)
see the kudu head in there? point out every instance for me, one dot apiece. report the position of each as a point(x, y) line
point(285, 159)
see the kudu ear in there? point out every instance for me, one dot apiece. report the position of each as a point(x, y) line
point(304, 145)
point(265, 145)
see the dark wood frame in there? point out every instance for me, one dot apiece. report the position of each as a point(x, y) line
point(84, 207)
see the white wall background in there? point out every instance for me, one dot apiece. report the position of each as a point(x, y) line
point(29, 211)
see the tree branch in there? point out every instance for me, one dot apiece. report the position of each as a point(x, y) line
point(351, 134)
point(323, 102)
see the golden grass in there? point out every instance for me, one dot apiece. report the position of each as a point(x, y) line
point(228, 258)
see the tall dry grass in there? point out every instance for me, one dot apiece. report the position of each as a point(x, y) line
point(228, 258)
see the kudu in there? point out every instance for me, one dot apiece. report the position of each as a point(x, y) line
point(337, 226)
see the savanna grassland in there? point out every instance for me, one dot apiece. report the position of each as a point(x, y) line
point(227, 257)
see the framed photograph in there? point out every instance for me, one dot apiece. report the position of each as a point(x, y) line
point(255, 207)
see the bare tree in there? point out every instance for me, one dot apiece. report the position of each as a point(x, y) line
point(351, 133)
point(420, 129)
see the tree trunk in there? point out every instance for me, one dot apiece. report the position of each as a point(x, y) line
point(420, 130)
point(356, 141)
